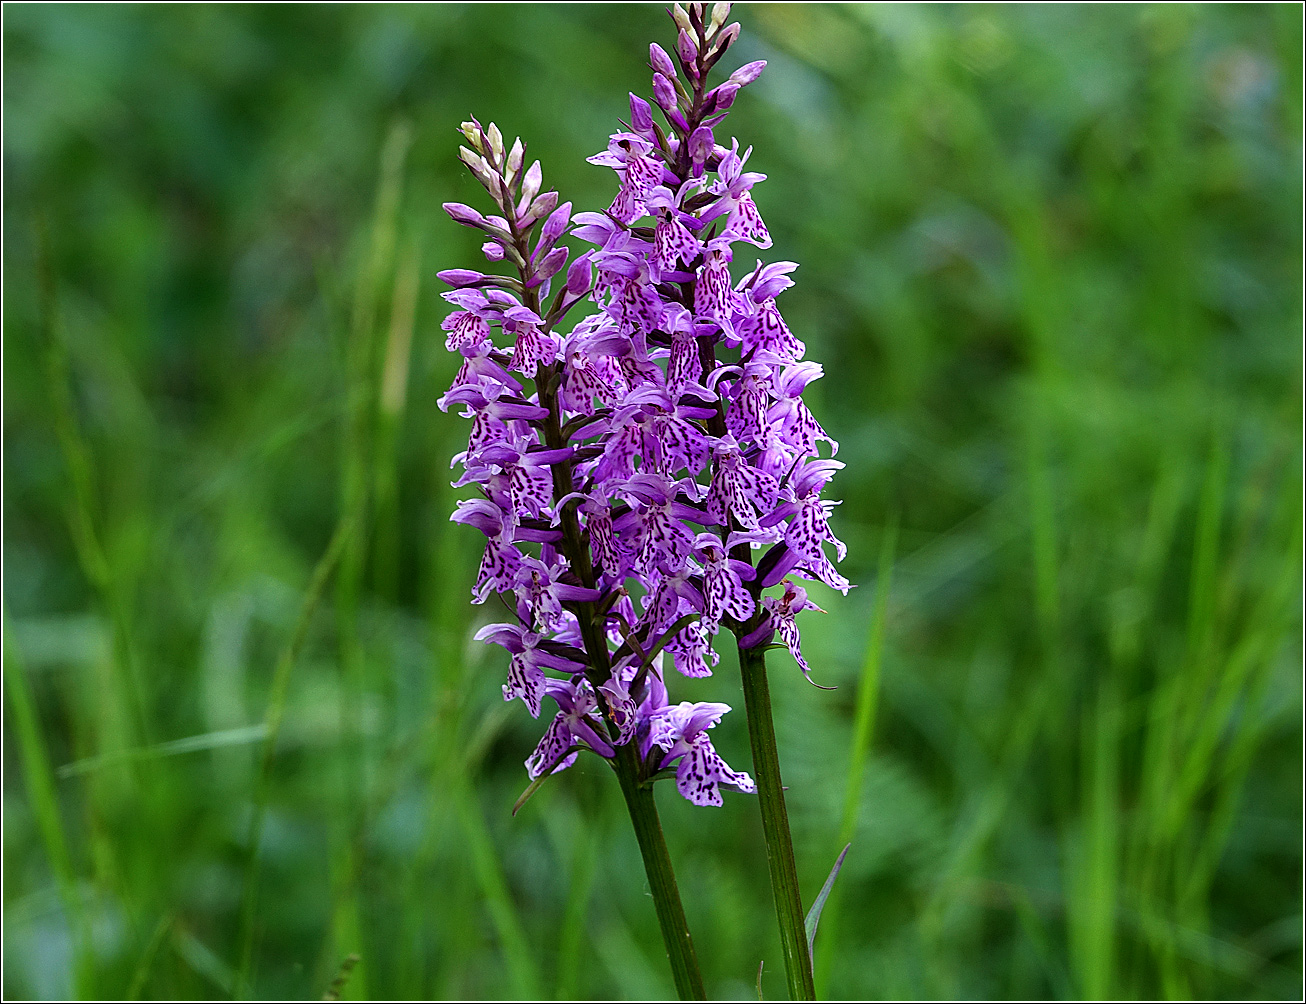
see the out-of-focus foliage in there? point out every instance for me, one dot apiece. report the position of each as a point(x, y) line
point(1051, 262)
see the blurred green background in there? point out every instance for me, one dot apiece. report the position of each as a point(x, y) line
point(1051, 261)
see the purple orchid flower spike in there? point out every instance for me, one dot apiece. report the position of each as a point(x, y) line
point(647, 473)
point(677, 461)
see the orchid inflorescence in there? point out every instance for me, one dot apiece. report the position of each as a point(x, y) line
point(631, 469)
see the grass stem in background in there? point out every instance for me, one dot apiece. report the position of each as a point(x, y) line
point(124, 704)
point(363, 442)
point(868, 694)
point(393, 400)
point(273, 718)
point(43, 799)
point(581, 842)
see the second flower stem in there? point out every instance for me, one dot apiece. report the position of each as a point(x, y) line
point(775, 825)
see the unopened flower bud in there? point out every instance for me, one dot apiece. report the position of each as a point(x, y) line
point(687, 50)
point(539, 209)
point(641, 115)
point(747, 73)
point(701, 145)
point(515, 156)
point(660, 61)
point(556, 223)
point(720, 11)
point(580, 275)
point(473, 133)
point(681, 18)
point(460, 277)
point(663, 93)
point(552, 264)
point(492, 250)
point(496, 141)
point(465, 215)
point(725, 39)
point(530, 186)
point(723, 97)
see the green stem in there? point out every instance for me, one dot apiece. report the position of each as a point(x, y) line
point(775, 824)
point(661, 877)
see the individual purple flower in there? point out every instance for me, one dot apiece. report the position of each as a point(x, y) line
point(674, 245)
point(529, 660)
point(681, 732)
point(632, 156)
point(578, 722)
point(739, 490)
point(714, 297)
point(724, 593)
point(781, 611)
point(541, 592)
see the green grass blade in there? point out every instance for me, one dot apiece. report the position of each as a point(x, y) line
point(360, 447)
point(390, 416)
point(205, 961)
point(522, 976)
point(83, 508)
point(44, 802)
point(1206, 549)
point(575, 839)
point(1093, 853)
point(868, 694)
point(272, 721)
point(240, 736)
point(146, 964)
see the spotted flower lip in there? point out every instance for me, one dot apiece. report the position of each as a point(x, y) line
point(681, 731)
point(646, 472)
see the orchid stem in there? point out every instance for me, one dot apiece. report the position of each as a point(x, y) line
point(661, 876)
point(775, 825)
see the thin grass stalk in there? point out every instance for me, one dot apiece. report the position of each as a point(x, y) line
point(44, 802)
point(1092, 850)
point(361, 434)
point(421, 972)
point(273, 718)
point(392, 406)
point(362, 444)
point(146, 964)
point(868, 692)
point(83, 514)
point(522, 976)
point(582, 842)
point(1269, 625)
